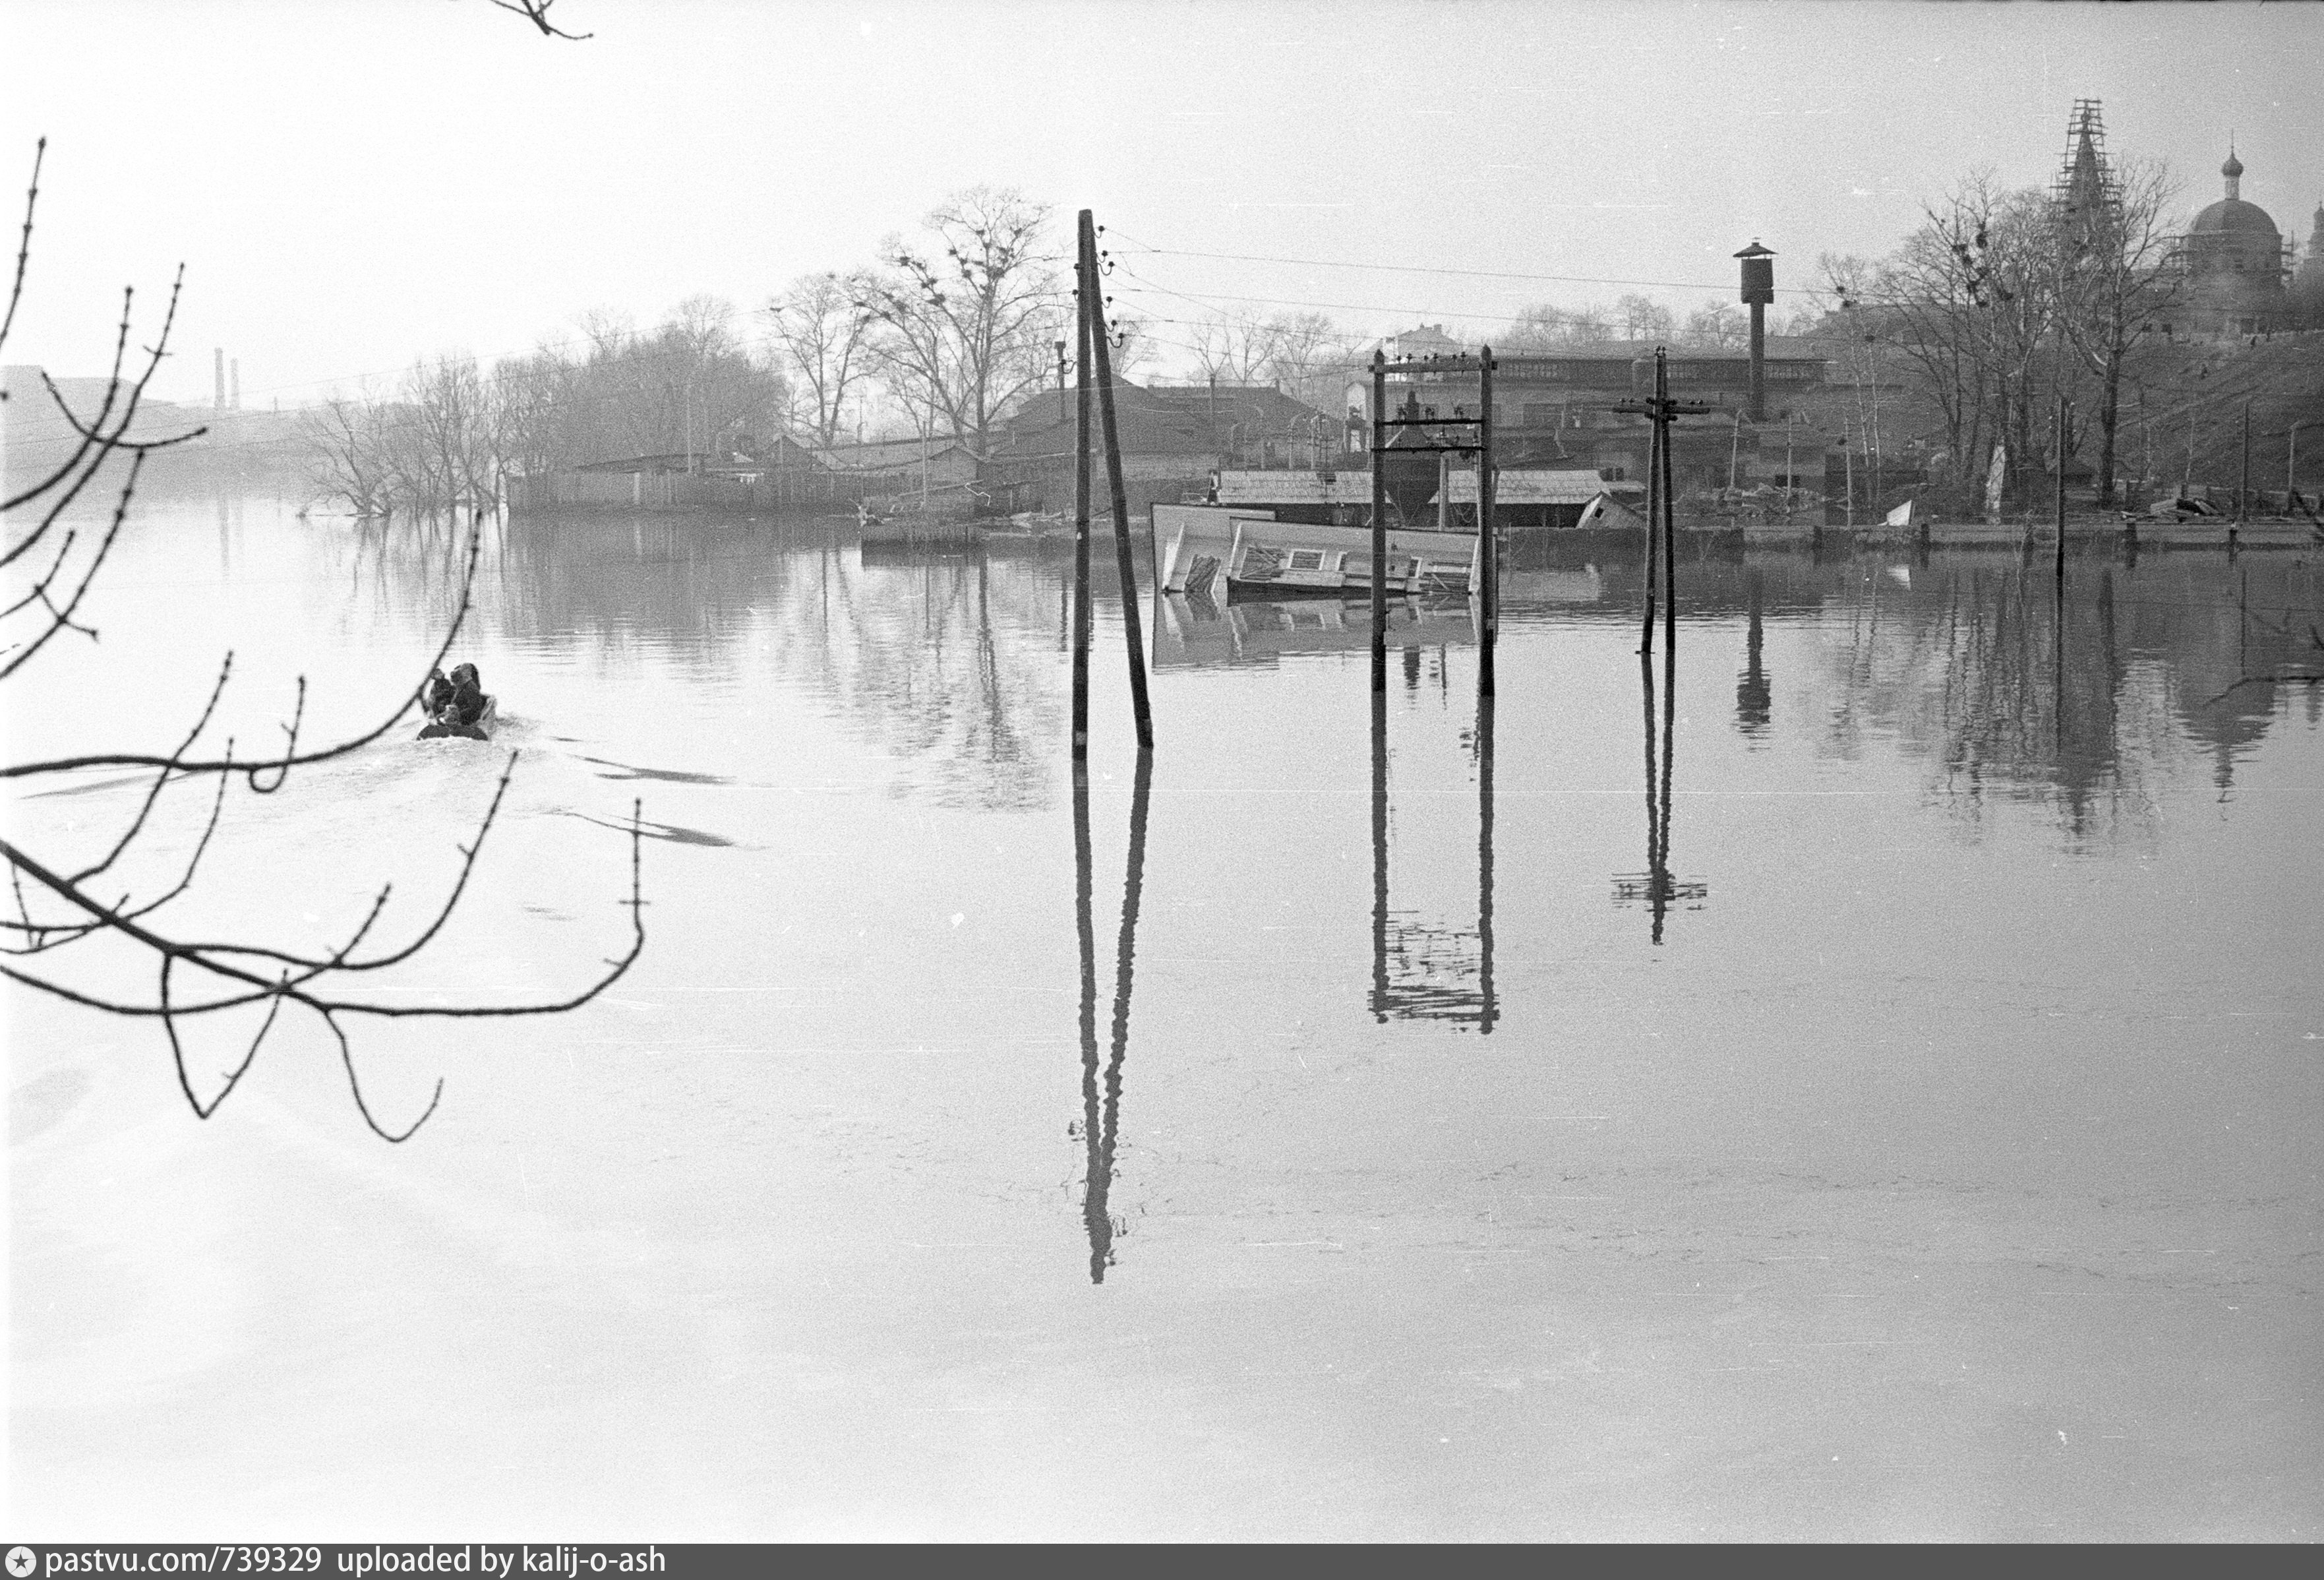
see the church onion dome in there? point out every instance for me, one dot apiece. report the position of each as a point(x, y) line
point(2231, 215)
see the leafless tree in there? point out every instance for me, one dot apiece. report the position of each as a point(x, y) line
point(2123, 282)
point(1642, 318)
point(1312, 358)
point(1236, 347)
point(1718, 325)
point(345, 458)
point(69, 910)
point(1546, 327)
point(963, 324)
point(819, 327)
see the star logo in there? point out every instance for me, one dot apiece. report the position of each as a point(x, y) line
point(22, 1562)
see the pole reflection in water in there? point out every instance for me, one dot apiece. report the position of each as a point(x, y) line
point(1488, 1011)
point(1656, 886)
point(1754, 695)
point(1423, 972)
point(1379, 854)
point(1101, 1107)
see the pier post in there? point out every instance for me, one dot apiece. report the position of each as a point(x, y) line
point(1133, 633)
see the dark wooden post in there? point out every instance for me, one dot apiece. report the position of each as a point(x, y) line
point(1083, 294)
point(1380, 523)
point(1653, 524)
point(1489, 536)
point(1133, 632)
point(1670, 514)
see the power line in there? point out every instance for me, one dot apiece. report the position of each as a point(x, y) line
point(1427, 269)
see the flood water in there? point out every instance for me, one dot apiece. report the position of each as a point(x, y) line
point(1859, 1079)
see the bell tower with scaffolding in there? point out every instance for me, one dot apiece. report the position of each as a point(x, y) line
point(2085, 188)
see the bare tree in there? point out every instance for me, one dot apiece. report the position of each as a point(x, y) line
point(1236, 348)
point(1312, 358)
point(819, 327)
point(1718, 325)
point(965, 324)
point(345, 458)
point(2123, 283)
point(1546, 327)
point(1642, 318)
point(69, 911)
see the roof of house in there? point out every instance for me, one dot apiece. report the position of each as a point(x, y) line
point(673, 461)
point(886, 455)
point(1043, 425)
point(1238, 403)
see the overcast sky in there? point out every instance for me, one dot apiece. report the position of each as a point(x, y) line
point(354, 185)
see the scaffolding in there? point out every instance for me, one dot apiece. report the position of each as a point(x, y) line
point(2085, 177)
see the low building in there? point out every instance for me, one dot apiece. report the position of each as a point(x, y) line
point(906, 466)
point(1166, 451)
point(1563, 412)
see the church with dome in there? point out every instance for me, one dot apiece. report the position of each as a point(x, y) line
point(2239, 266)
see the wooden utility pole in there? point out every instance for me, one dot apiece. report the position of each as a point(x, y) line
point(1670, 508)
point(1380, 523)
point(1095, 334)
point(1654, 530)
point(1081, 528)
point(1662, 516)
point(1488, 535)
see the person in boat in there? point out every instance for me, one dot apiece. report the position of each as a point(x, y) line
point(434, 696)
point(467, 703)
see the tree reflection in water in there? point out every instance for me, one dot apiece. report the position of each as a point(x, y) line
point(1102, 1108)
point(915, 653)
point(2014, 684)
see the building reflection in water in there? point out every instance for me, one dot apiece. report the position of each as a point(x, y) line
point(1422, 972)
point(1657, 888)
point(1102, 1095)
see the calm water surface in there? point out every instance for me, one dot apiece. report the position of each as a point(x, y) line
point(1858, 1080)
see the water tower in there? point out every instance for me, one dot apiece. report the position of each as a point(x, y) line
point(1758, 291)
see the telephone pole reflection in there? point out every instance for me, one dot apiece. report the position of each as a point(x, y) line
point(1101, 1103)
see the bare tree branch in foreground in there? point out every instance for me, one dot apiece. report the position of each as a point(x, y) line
point(536, 12)
point(57, 907)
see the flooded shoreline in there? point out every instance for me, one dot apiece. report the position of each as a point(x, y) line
point(1863, 1088)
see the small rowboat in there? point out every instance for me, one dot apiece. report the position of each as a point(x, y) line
point(436, 729)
